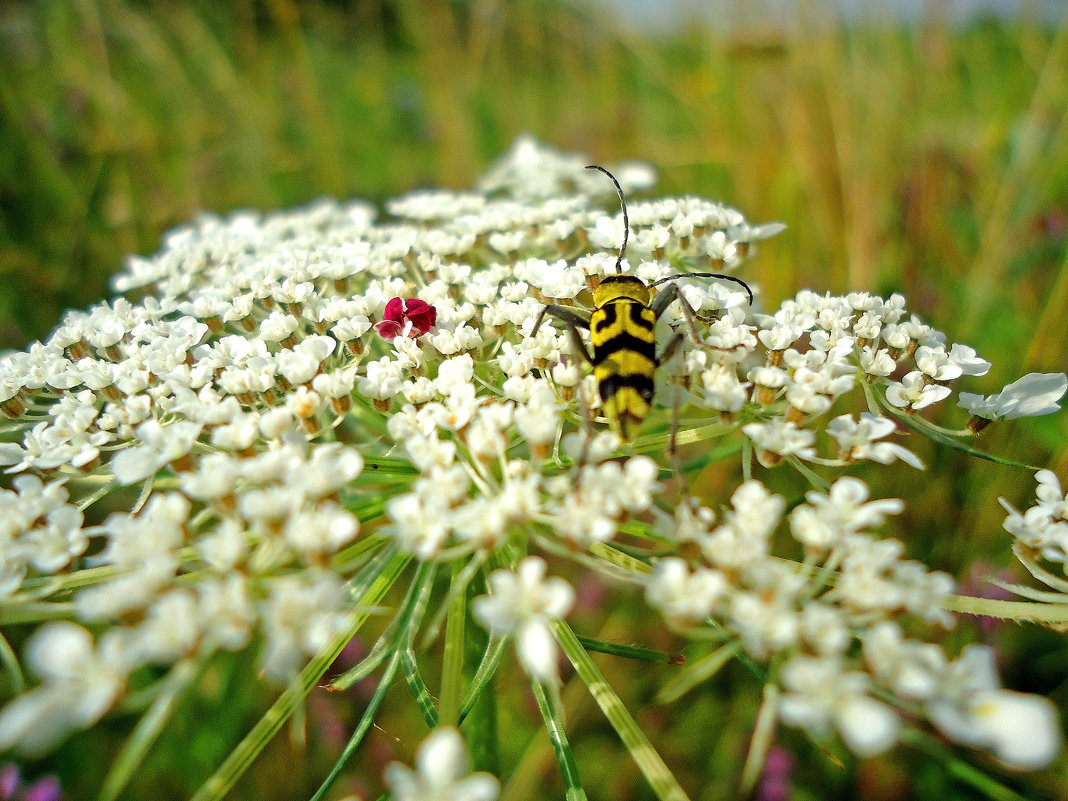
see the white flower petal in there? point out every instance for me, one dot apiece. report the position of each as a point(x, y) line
point(537, 649)
point(868, 727)
point(1020, 728)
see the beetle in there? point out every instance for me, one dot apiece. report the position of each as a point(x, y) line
point(621, 326)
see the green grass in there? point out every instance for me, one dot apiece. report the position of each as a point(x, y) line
point(930, 160)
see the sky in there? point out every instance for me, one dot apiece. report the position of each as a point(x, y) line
point(668, 15)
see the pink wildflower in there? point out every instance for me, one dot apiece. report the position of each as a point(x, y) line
point(408, 318)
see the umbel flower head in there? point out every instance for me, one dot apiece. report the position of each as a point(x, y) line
point(294, 411)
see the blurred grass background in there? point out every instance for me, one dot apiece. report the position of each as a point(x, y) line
point(928, 158)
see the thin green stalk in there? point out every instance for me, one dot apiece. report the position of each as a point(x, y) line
point(148, 728)
point(761, 740)
point(478, 710)
point(630, 652)
point(641, 750)
point(380, 573)
point(700, 671)
point(918, 423)
point(423, 699)
point(617, 558)
point(814, 478)
point(549, 703)
point(364, 668)
point(34, 612)
point(1008, 610)
point(362, 727)
point(486, 669)
point(461, 578)
point(958, 768)
point(452, 665)
point(11, 666)
point(410, 615)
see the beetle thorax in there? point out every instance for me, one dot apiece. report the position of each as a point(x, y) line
point(621, 287)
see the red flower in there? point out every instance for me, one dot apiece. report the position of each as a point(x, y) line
point(407, 318)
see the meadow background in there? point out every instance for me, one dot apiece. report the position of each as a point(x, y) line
point(927, 157)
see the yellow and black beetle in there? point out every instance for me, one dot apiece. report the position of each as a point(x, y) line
point(621, 327)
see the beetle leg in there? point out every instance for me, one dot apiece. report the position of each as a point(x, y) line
point(663, 300)
point(573, 320)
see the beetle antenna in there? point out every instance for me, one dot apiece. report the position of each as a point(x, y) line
point(626, 219)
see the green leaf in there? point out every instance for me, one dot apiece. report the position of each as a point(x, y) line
point(11, 665)
point(761, 740)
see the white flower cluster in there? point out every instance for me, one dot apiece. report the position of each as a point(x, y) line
point(298, 385)
point(442, 773)
point(1043, 528)
point(850, 591)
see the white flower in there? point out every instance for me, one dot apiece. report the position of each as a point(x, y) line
point(935, 363)
point(910, 668)
point(1044, 526)
point(227, 603)
point(145, 547)
point(914, 392)
point(744, 536)
point(723, 391)
point(558, 280)
point(321, 531)
point(442, 773)
point(966, 358)
point(302, 615)
point(679, 593)
point(845, 509)
point(857, 440)
point(777, 438)
point(384, 379)
point(79, 683)
point(301, 363)
point(766, 618)
point(876, 362)
point(971, 708)
point(539, 418)
point(1050, 496)
point(522, 604)
point(1033, 395)
point(820, 695)
point(420, 524)
point(277, 326)
point(215, 476)
point(162, 445)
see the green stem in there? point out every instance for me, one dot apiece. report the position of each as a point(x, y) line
point(148, 728)
point(549, 704)
point(1008, 610)
point(410, 616)
point(379, 575)
point(641, 750)
point(453, 659)
point(761, 740)
point(960, 769)
point(423, 699)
